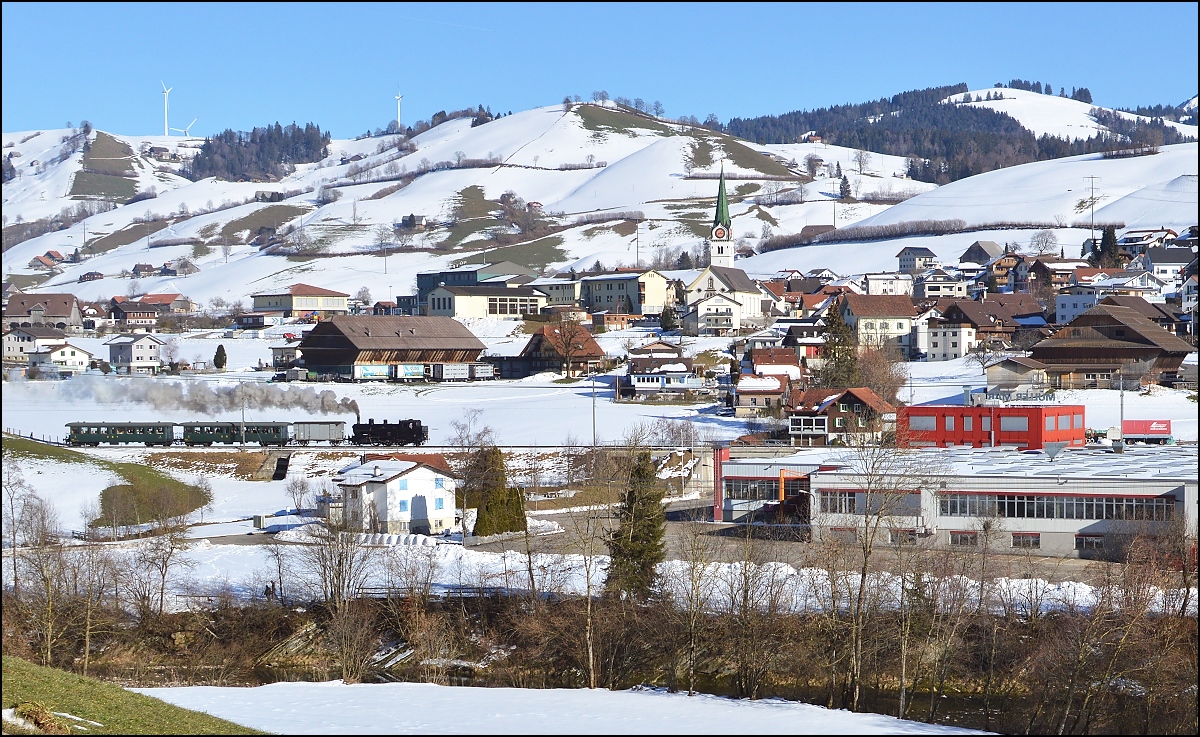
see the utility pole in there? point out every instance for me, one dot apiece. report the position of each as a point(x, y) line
point(1092, 201)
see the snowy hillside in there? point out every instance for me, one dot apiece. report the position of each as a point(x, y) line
point(1142, 192)
point(1048, 114)
point(612, 160)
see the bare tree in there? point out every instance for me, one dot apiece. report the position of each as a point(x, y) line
point(812, 164)
point(226, 248)
point(299, 491)
point(19, 499)
point(170, 351)
point(335, 562)
point(883, 483)
point(353, 636)
point(459, 157)
point(1043, 242)
point(693, 580)
point(862, 159)
point(657, 109)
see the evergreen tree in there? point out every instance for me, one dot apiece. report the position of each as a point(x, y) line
point(844, 188)
point(735, 370)
point(684, 261)
point(636, 547)
point(502, 508)
point(1110, 252)
point(838, 172)
point(220, 358)
point(668, 322)
point(992, 287)
point(841, 356)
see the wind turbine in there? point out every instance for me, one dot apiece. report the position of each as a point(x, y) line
point(399, 97)
point(166, 91)
point(187, 131)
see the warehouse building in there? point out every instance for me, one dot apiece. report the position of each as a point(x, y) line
point(1027, 427)
point(1082, 502)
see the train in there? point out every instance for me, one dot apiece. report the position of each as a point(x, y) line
point(208, 432)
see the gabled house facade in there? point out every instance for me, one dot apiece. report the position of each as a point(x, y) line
point(397, 498)
point(64, 359)
point(20, 342)
point(135, 354)
point(567, 348)
point(59, 311)
point(1109, 343)
point(913, 259)
point(823, 417)
point(880, 320)
point(715, 315)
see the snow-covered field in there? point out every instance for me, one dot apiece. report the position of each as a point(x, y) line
point(422, 708)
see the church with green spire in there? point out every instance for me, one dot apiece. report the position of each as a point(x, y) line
point(721, 236)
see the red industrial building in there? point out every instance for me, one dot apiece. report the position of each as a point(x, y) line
point(1027, 426)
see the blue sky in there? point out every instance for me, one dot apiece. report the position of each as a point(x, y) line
point(245, 65)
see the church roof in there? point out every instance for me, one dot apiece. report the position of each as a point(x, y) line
point(722, 217)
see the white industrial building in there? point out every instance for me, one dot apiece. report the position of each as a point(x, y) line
point(1074, 504)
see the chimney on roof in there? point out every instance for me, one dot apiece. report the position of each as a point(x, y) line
point(377, 472)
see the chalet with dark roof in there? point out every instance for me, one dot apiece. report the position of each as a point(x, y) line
point(819, 417)
point(302, 299)
point(335, 346)
point(1109, 342)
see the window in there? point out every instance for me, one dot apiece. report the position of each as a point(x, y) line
point(1049, 423)
point(869, 325)
point(1089, 542)
point(986, 425)
point(1078, 421)
point(922, 422)
point(935, 344)
point(1027, 540)
point(899, 326)
point(439, 503)
point(843, 407)
point(839, 421)
point(1158, 509)
point(1014, 424)
point(439, 482)
point(949, 422)
point(862, 421)
point(964, 539)
point(903, 537)
point(403, 485)
point(1064, 422)
point(838, 502)
point(968, 423)
point(403, 505)
point(954, 344)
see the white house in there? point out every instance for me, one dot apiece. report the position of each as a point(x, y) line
point(397, 497)
point(135, 354)
point(65, 358)
point(889, 284)
point(19, 342)
point(715, 315)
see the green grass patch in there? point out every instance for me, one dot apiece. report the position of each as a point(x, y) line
point(129, 234)
point(464, 229)
point(625, 227)
point(472, 204)
point(762, 214)
point(698, 228)
point(604, 120)
point(272, 216)
point(107, 155)
point(118, 711)
point(146, 493)
point(209, 231)
point(747, 188)
point(571, 380)
point(27, 281)
point(702, 153)
point(748, 158)
point(535, 254)
point(106, 186)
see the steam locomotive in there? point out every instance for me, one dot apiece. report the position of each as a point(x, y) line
point(207, 433)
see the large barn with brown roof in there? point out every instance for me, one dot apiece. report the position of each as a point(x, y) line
point(337, 346)
point(1106, 343)
point(59, 311)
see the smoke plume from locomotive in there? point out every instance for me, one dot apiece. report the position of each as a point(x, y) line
point(209, 399)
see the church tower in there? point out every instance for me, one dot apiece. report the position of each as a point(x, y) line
point(721, 235)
